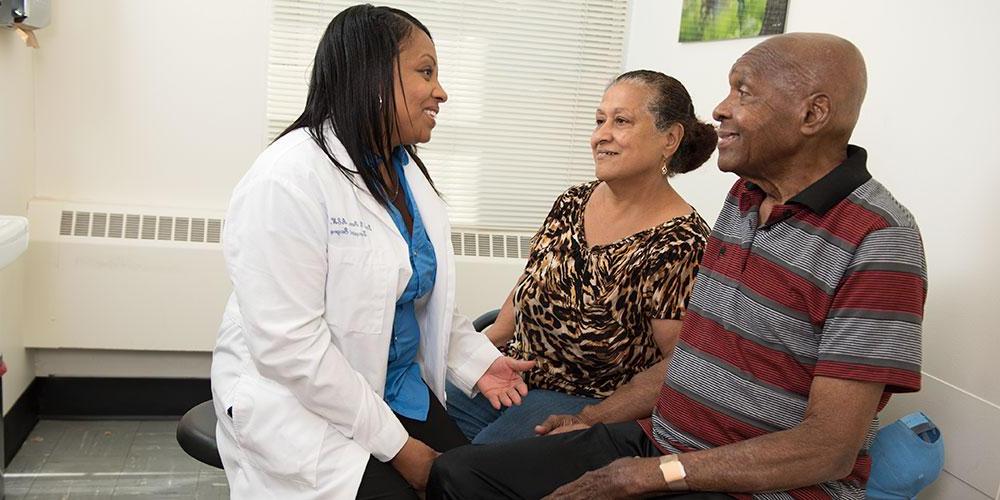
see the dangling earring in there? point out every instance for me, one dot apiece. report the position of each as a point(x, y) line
point(664, 169)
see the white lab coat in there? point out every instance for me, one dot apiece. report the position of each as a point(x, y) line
point(317, 265)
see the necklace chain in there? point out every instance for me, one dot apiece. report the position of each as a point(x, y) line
point(395, 192)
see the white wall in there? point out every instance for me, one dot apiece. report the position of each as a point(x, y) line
point(17, 167)
point(150, 103)
point(929, 127)
point(159, 104)
point(119, 363)
point(486, 287)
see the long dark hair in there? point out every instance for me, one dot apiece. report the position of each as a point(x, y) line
point(670, 103)
point(351, 90)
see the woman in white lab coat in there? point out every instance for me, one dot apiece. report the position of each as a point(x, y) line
point(329, 371)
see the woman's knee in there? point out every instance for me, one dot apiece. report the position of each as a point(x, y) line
point(471, 415)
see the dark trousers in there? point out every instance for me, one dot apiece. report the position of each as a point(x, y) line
point(381, 481)
point(534, 467)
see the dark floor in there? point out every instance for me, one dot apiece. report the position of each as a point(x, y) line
point(109, 459)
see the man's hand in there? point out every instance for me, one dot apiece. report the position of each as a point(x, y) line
point(414, 462)
point(558, 424)
point(623, 478)
point(502, 383)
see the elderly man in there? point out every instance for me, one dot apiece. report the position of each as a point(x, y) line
point(805, 317)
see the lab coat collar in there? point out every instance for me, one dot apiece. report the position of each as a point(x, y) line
point(365, 198)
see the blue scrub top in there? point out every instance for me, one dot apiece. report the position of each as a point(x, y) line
point(405, 391)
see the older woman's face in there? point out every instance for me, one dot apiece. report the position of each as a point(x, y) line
point(625, 141)
point(418, 94)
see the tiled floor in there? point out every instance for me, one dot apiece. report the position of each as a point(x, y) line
point(109, 459)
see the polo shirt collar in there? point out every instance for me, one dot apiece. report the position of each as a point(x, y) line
point(823, 194)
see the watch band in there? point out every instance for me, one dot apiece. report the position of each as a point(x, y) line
point(673, 473)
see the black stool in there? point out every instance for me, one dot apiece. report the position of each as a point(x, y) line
point(196, 434)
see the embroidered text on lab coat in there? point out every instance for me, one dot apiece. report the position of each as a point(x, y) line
point(340, 226)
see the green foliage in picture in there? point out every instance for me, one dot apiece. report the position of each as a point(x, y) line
point(703, 20)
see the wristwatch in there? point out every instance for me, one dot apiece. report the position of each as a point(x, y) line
point(673, 473)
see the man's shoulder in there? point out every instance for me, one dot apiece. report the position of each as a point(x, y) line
point(868, 209)
point(875, 198)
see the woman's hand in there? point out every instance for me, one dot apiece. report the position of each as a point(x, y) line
point(502, 383)
point(413, 462)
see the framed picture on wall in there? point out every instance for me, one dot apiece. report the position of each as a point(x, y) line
point(703, 20)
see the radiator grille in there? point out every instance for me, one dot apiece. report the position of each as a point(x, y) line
point(116, 225)
point(82, 225)
point(139, 226)
point(482, 244)
point(100, 225)
point(209, 230)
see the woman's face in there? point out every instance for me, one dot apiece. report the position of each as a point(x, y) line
point(418, 94)
point(625, 142)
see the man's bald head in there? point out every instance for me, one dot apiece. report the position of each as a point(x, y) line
point(805, 64)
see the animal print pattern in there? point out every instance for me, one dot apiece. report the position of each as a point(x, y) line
point(583, 312)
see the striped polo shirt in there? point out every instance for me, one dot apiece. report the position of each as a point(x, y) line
point(832, 284)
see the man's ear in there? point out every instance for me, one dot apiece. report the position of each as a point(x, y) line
point(816, 115)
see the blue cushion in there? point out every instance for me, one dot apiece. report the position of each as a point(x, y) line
point(907, 455)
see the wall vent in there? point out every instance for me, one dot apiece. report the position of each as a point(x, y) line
point(140, 226)
point(484, 244)
point(132, 226)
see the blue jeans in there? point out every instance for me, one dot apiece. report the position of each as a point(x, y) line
point(483, 425)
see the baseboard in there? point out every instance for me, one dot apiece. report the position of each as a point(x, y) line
point(98, 397)
point(81, 397)
point(19, 421)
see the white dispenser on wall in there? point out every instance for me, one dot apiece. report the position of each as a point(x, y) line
point(13, 238)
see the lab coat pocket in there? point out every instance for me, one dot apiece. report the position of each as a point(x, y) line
point(356, 289)
point(276, 433)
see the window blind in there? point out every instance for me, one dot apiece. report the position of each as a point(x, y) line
point(523, 79)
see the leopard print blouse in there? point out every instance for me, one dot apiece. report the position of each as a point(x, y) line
point(583, 313)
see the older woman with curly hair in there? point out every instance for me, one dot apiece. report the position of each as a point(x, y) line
point(606, 283)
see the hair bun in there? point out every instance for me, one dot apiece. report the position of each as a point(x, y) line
point(696, 147)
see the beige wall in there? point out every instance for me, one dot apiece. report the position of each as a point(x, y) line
point(150, 103)
point(17, 167)
point(158, 104)
point(928, 127)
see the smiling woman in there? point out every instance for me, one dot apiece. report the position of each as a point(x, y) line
point(605, 286)
point(329, 371)
point(354, 104)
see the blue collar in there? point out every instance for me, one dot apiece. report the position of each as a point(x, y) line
point(399, 157)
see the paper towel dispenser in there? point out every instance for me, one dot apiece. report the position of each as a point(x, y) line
point(31, 14)
point(13, 238)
